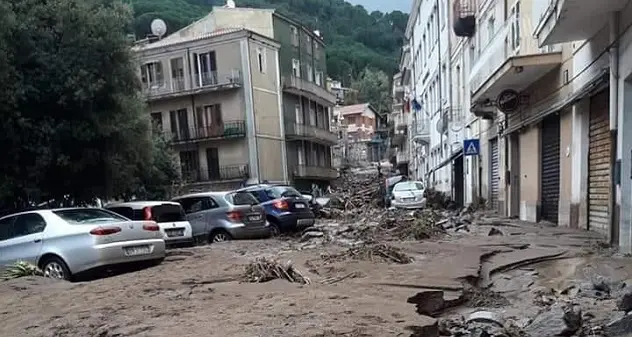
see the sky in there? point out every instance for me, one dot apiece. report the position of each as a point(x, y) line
point(384, 5)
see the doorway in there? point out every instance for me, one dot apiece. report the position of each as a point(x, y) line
point(458, 181)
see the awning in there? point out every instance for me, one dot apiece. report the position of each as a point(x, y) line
point(597, 84)
point(452, 157)
point(517, 73)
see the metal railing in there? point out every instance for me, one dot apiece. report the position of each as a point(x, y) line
point(218, 173)
point(309, 131)
point(315, 171)
point(229, 129)
point(302, 85)
point(180, 84)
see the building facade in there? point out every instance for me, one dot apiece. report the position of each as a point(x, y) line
point(359, 122)
point(207, 94)
point(305, 101)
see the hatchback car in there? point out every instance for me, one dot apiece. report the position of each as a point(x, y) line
point(223, 216)
point(286, 209)
point(408, 194)
point(169, 216)
point(64, 242)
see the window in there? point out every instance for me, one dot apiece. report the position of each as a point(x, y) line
point(319, 78)
point(156, 120)
point(294, 35)
point(515, 26)
point(317, 51)
point(299, 115)
point(261, 59)
point(197, 204)
point(310, 73)
point(490, 29)
point(127, 212)
point(296, 68)
point(152, 75)
point(81, 216)
point(5, 227)
point(308, 44)
point(241, 198)
point(277, 192)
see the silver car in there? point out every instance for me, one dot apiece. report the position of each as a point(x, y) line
point(64, 242)
point(408, 194)
point(169, 216)
point(222, 216)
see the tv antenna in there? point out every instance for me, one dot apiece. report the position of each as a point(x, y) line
point(158, 28)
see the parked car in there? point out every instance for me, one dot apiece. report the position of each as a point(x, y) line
point(286, 209)
point(67, 241)
point(223, 216)
point(408, 194)
point(314, 206)
point(169, 216)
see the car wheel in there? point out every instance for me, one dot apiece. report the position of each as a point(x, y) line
point(219, 236)
point(55, 267)
point(274, 230)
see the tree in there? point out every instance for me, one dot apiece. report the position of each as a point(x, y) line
point(373, 86)
point(73, 120)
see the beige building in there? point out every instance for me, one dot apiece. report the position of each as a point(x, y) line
point(218, 96)
point(359, 123)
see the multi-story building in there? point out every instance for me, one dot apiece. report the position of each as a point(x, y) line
point(359, 122)
point(438, 118)
point(217, 95)
point(305, 100)
point(338, 90)
point(400, 121)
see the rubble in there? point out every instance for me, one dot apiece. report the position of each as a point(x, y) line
point(371, 252)
point(557, 320)
point(264, 270)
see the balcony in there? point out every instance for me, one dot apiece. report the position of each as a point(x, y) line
point(315, 172)
point(498, 68)
point(464, 18)
point(574, 20)
point(421, 131)
point(296, 131)
point(218, 173)
point(228, 130)
point(200, 83)
point(298, 86)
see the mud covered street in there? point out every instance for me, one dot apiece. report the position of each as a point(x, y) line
point(517, 278)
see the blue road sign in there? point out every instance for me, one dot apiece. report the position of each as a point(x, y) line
point(471, 147)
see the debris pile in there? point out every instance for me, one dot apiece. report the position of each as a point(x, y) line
point(475, 297)
point(264, 270)
point(481, 324)
point(371, 252)
point(417, 225)
point(355, 190)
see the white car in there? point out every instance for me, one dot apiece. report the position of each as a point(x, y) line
point(169, 216)
point(408, 194)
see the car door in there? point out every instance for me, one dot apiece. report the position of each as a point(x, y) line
point(25, 239)
point(193, 208)
point(213, 214)
point(5, 234)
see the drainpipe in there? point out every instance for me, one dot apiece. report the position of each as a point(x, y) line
point(614, 117)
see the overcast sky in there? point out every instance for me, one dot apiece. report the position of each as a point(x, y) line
point(384, 5)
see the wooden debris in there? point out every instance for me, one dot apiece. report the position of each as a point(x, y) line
point(264, 270)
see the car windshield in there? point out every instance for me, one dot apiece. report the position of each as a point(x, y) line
point(277, 192)
point(241, 198)
point(408, 186)
point(82, 216)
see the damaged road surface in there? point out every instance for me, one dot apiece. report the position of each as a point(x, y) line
point(366, 272)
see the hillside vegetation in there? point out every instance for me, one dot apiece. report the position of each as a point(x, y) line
point(355, 38)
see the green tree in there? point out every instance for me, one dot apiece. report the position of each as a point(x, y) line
point(73, 121)
point(373, 86)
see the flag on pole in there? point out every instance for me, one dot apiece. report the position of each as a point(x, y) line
point(416, 105)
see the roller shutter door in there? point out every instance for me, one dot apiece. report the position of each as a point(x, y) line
point(550, 168)
point(599, 164)
point(494, 184)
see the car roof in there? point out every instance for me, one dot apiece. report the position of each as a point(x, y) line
point(203, 194)
point(43, 210)
point(261, 186)
point(139, 204)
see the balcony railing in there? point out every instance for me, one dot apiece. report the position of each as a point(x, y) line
point(218, 173)
point(296, 130)
point(491, 57)
point(301, 86)
point(214, 80)
point(305, 171)
point(231, 129)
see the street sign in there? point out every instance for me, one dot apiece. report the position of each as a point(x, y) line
point(508, 101)
point(471, 147)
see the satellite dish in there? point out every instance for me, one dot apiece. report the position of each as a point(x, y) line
point(230, 4)
point(158, 27)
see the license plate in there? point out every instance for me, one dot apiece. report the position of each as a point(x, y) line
point(174, 232)
point(299, 205)
point(139, 250)
point(408, 199)
point(254, 217)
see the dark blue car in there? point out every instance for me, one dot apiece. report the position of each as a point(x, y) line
point(285, 207)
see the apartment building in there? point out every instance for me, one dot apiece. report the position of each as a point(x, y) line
point(341, 92)
point(217, 95)
point(439, 118)
point(305, 100)
point(359, 122)
point(400, 118)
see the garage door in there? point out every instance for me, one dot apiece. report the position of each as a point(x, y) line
point(494, 184)
point(550, 168)
point(599, 164)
